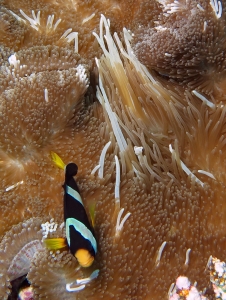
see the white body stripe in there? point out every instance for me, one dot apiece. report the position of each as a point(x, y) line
point(73, 194)
point(82, 229)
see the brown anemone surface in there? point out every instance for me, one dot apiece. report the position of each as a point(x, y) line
point(136, 88)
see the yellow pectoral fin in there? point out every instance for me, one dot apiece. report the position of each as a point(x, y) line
point(55, 244)
point(57, 160)
point(92, 213)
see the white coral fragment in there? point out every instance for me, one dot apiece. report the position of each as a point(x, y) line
point(88, 18)
point(14, 61)
point(74, 289)
point(97, 167)
point(48, 227)
point(69, 36)
point(159, 254)
point(204, 25)
point(49, 24)
point(81, 283)
point(200, 7)
point(170, 7)
point(187, 256)
point(117, 180)
point(88, 279)
point(185, 168)
point(35, 22)
point(46, 95)
point(217, 7)
point(119, 223)
point(102, 158)
point(138, 150)
point(207, 174)
point(204, 99)
point(14, 185)
point(17, 17)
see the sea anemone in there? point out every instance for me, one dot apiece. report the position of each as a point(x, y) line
point(186, 44)
point(17, 249)
point(144, 122)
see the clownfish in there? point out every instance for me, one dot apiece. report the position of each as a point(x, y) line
point(80, 237)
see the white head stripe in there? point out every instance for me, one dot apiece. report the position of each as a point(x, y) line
point(74, 194)
point(82, 229)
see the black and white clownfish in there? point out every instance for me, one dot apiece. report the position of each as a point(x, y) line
point(80, 237)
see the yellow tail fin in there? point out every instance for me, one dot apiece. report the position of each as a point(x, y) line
point(55, 244)
point(57, 160)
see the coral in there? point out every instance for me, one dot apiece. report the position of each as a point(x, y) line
point(184, 290)
point(142, 113)
point(217, 276)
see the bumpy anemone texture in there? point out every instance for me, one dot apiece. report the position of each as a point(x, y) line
point(133, 92)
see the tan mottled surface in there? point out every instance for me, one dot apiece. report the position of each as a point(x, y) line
point(153, 110)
